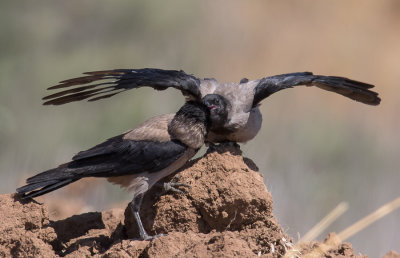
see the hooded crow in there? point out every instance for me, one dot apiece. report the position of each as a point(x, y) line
point(137, 159)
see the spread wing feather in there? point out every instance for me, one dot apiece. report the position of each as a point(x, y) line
point(355, 90)
point(104, 84)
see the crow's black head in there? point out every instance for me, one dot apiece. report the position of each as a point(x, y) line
point(219, 108)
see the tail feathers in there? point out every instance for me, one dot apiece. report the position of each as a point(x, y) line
point(29, 190)
point(47, 181)
point(61, 172)
point(33, 186)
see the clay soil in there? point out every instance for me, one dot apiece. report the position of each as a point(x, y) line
point(226, 212)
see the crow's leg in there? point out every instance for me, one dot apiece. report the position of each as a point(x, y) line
point(222, 146)
point(229, 144)
point(135, 207)
point(209, 144)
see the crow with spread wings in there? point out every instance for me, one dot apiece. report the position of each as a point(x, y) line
point(241, 118)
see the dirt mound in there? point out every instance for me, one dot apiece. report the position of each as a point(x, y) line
point(24, 228)
point(226, 212)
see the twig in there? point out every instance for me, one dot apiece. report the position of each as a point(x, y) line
point(371, 218)
point(315, 231)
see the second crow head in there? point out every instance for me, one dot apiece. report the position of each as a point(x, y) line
point(219, 108)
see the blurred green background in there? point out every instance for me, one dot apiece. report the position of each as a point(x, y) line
point(315, 149)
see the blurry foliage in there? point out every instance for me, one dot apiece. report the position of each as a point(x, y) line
point(315, 148)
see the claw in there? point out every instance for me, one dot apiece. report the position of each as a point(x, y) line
point(150, 238)
point(171, 187)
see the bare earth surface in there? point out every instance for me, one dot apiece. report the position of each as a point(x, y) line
point(226, 212)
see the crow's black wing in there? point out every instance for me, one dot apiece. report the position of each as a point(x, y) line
point(115, 157)
point(355, 90)
point(104, 84)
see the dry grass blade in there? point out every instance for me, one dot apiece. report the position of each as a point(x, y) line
point(371, 218)
point(334, 240)
point(315, 231)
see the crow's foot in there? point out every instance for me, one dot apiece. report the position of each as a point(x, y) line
point(172, 187)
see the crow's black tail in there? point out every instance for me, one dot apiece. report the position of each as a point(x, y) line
point(47, 181)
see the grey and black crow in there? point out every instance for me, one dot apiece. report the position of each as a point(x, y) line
point(137, 159)
point(240, 121)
